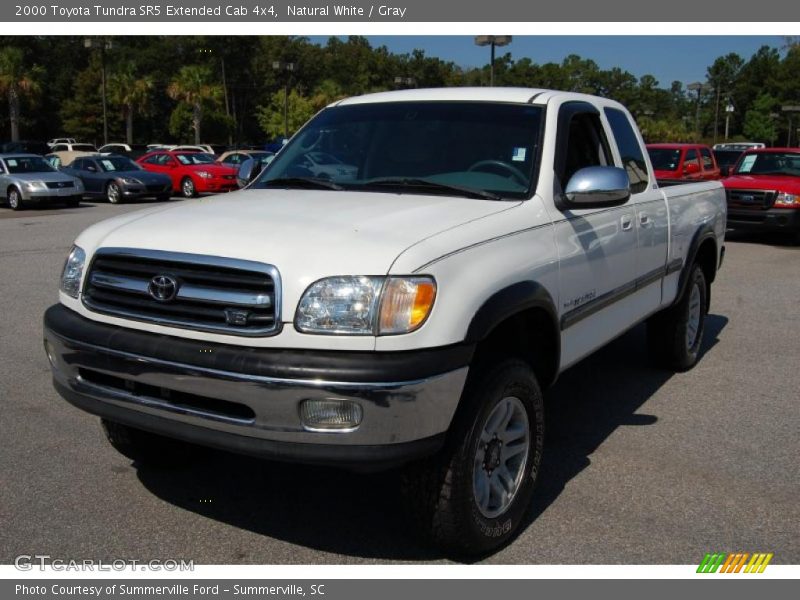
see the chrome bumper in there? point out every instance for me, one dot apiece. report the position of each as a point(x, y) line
point(254, 406)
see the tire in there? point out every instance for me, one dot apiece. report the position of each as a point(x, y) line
point(147, 448)
point(454, 497)
point(113, 193)
point(14, 199)
point(188, 189)
point(675, 335)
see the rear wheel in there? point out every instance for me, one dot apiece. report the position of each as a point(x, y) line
point(472, 498)
point(187, 188)
point(145, 447)
point(113, 193)
point(675, 335)
point(14, 199)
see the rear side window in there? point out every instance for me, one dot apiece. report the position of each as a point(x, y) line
point(691, 158)
point(629, 149)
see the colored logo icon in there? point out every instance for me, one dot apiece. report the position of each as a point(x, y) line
point(736, 562)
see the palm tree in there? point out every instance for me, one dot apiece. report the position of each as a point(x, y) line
point(192, 86)
point(17, 80)
point(131, 93)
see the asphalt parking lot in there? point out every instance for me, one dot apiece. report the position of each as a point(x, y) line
point(641, 466)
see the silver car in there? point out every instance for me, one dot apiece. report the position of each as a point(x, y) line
point(30, 178)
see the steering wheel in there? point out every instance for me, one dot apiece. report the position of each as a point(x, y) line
point(515, 173)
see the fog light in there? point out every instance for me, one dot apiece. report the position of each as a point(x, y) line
point(51, 353)
point(330, 415)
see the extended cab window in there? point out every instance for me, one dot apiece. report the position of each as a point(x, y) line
point(691, 158)
point(630, 150)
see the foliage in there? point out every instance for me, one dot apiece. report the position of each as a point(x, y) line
point(759, 124)
point(228, 87)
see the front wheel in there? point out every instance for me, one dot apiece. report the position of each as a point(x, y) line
point(187, 188)
point(675, 335)
point(14, 199)
point(472, 498)
point(113, 193)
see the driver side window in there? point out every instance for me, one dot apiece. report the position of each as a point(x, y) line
point(587, 145)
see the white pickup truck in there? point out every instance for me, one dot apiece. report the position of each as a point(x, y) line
point(395, 289)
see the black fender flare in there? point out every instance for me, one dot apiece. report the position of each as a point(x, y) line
point(705, 232)
point(511, 301)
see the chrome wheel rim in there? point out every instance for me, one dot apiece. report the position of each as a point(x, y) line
point(501, 456)
point(188, 188)
point(693, 322)
point(13, 199)
point(113, 193)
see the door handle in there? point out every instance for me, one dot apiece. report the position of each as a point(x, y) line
point(645, 220)
point(626, 222)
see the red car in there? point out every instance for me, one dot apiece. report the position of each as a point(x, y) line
point(191, 172)
point(763, 191)
point(682, 162)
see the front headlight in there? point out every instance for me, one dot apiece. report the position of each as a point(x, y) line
point(131, 181)
point(363, 305)
point(73, 271)
point(35, 185)
point(784, 199)
point(204, 174)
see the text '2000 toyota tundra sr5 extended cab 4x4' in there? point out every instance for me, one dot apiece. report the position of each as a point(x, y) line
point(404, 307)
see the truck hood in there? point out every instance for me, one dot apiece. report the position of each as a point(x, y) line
point(306, 234)
point(781, 183)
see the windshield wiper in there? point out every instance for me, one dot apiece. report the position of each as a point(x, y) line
point(427, 184)
point(302, 182)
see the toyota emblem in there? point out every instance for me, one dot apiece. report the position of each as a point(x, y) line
point(163, 288)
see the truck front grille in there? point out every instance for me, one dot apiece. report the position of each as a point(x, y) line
point(190, 291)
point(755, 199)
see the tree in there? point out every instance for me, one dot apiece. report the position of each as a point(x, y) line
point(759, 125)
point(193, 87)
point(270, 117)
point(17, 80)
point(131, 93)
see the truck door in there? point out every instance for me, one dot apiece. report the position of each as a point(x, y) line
point(596, 247)
point(652, 218)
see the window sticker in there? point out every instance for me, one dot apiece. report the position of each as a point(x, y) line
point(108, 165)
point(12, 162)
point(519, 154)
point(747, 163)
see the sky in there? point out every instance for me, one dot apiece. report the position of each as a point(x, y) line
point(667, 58)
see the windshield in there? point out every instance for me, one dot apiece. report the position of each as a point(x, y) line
point(769, 163)
point(488, 147)
point(194, 158)
point(664, 159)
point(28, 164)
point(118, 163)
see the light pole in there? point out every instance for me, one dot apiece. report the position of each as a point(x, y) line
point(729, 110)
point(492, 40)
point(224, 87)
point(287, 67)
point(103, 45)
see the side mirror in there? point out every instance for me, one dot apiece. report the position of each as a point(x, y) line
point(724, 171)
point(691, 168)
point(247, 172)
point(597, 187)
